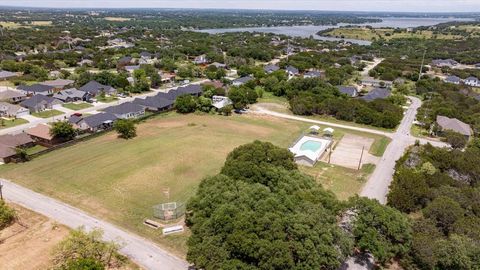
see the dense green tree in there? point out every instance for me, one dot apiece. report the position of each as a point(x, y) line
point(185, 104)
point(125, 128)
point(63, 130)
point(445, 212)
point(456, 140)
point(7, 215)
point(408, 193)
point(383, 231)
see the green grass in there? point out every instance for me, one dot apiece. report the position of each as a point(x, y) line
point(120, 180)
point(344, 182)
point(269, 97)
point(379, 146)
point(35, 149)
point(77, 106)
point(8, 123)
point(419, 132)
point(47, 114)
point(107, 99)
point(372, 34)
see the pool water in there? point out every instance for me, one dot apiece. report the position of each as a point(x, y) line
point(313, 146)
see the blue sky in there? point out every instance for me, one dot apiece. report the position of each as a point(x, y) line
point(346, 5)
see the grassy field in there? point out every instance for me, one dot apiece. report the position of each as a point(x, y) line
point(7, 123)
point(47, 114)
point(7, 83)
point(342, 181)
point(371, 34)
point(121, 180)
point(107, 99)
point(117, 19)
point(77, 106)
point(14, 25)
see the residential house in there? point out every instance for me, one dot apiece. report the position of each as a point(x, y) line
point(444, 123)
point(155, 103)
point(10, 143)
point(127, 110)
point(54, 74)
point(453, 79)
point(97, 122)
point(472, 81)
point(166, 77)
point(201, 60)
point(5, 75)
point(192, 89)
point(36, 89)
point(94, 88)
point(146, 55)
point(75, 120)
point(41, 135)
point(12, 96)
point(131, 69)
point(242, 80)
point(40, 103)
point(377, 93)
point(12, 110)
point(220, 101)
point(271, 68)
point(58, 84)
point(350, 91)
point(313, 74)
point(477, 66)
point(72, 95)
point(292, 71)
point(219, 65)
point(85, 62)
point(124, 61)
point(444, 63)
point(376, 83)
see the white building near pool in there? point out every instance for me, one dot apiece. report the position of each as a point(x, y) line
point(308, 150)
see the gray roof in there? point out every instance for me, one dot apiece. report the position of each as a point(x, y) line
point(10, 94)
point(74, 119)
point(271, 68)
point(453, 79)
point(292, 69)
point(7, 74)
point(314, 73)
point(377, 93)
point(94, 88)
point(348, 90)
point(127, 107)
point(454, 124)
point(192, 89)
point(154, 102)
point(99, 119)
point(37, 99)
point(70, 93)
point(37, 88)
point(58, 83)
point(471, 78)
point(243, 79)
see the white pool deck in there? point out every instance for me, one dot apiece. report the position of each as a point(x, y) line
point(313, 156)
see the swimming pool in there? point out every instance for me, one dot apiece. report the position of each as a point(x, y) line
point(313, 146)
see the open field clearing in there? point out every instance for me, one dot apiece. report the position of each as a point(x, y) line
point(28, 243)
point(14, 25)
point(8, 123)
point(121, 180)
point(77, 106)
point(371, 34)
point(117, 19)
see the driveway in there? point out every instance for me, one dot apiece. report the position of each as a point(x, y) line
point(140, 250)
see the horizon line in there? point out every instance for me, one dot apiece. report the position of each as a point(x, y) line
point(237, 9)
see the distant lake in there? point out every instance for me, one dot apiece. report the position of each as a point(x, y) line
point(306, 31)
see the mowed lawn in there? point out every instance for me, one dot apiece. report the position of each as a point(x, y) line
point(121, 180)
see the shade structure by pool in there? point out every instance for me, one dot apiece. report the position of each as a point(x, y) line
point(308, 150)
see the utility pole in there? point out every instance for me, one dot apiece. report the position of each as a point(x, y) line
point(1, 194)
point(361, 157)
point(421, 67)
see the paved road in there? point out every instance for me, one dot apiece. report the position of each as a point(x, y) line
point(260, 110)
point(138, 249)
point(379, 181)
point(33, 121)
